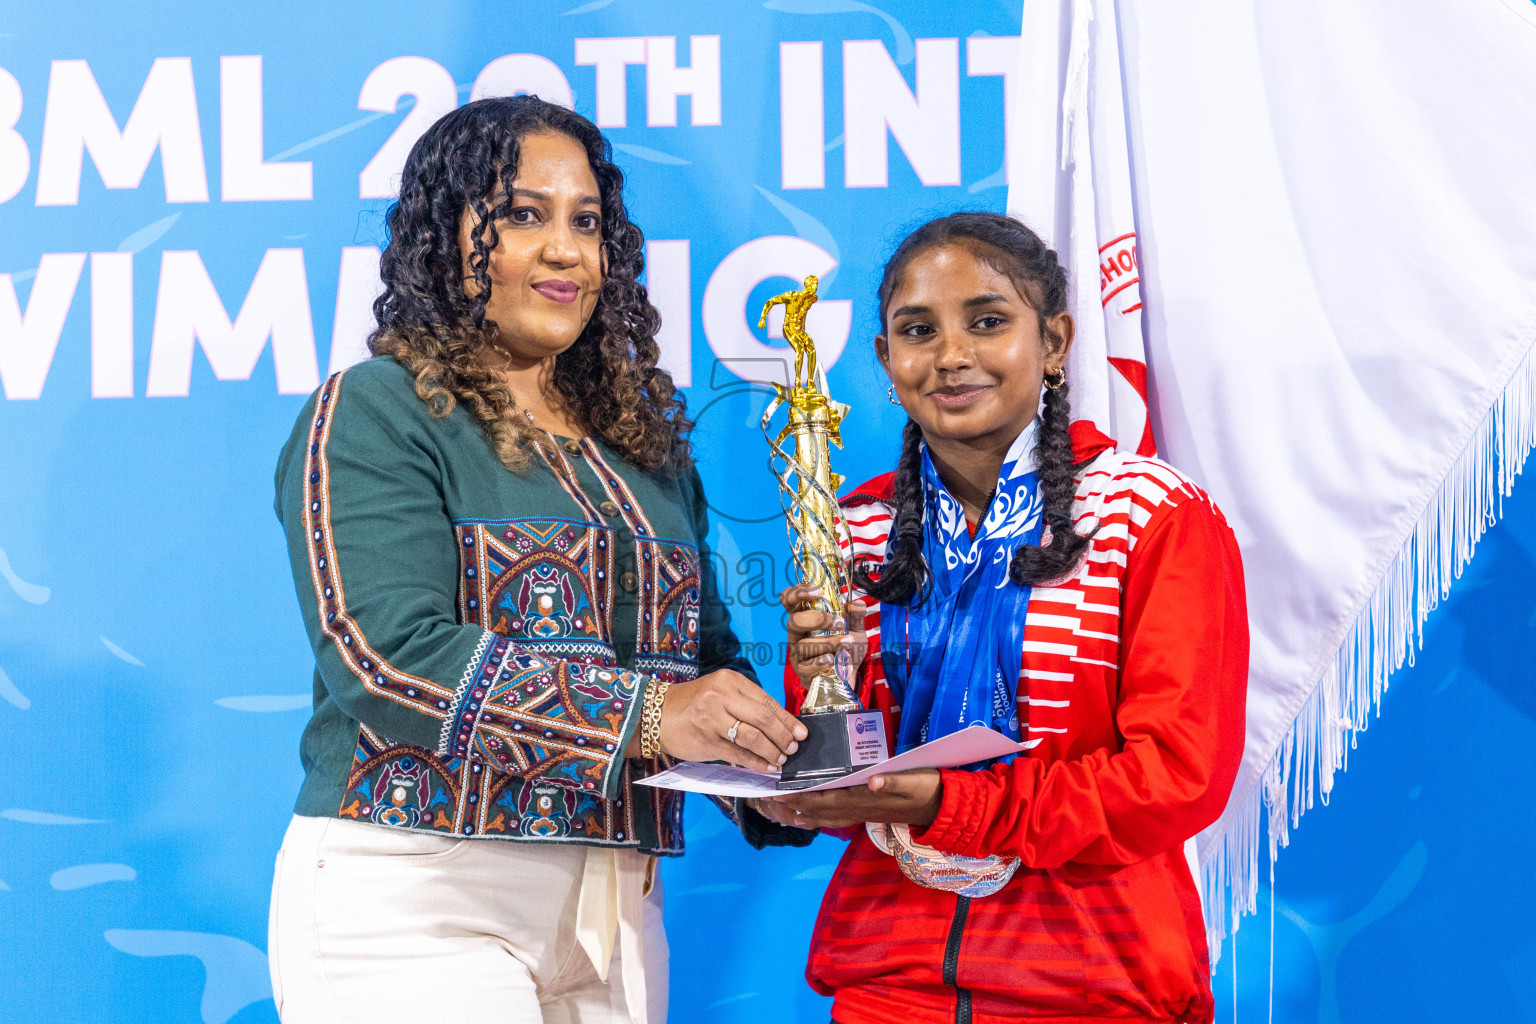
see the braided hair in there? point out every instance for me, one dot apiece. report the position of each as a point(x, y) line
point(1020, 254)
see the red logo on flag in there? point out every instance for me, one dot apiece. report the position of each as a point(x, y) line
point(1120, 275)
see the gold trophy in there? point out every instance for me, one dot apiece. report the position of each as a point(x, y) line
point(843, 737)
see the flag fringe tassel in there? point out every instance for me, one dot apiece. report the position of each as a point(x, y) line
point(1388, 632)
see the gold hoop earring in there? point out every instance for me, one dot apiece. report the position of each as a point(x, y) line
point(1057, 379)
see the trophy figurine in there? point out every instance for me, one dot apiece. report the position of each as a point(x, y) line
point(843, 737)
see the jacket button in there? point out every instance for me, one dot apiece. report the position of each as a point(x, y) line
point(573, 448)
point(628, 581)
point(608, 509)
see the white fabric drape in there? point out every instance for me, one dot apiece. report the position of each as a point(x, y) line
point(1336, 219)
point(1072, 183)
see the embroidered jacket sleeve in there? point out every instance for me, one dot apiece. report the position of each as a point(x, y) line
point(1183, 678)
point(376, 567)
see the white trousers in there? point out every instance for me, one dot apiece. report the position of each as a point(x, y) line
point(381, 926)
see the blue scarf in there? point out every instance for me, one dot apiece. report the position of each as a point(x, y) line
point(953, 661)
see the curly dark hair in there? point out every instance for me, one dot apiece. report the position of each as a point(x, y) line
point(428, 324)
point(1012, 249)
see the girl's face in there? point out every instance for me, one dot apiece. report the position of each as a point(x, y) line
point(965, 350)
point(547, 267)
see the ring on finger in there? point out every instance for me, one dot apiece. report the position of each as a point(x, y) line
point(730, 733)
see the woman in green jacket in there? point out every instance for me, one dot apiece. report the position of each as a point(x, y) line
point(498, 543)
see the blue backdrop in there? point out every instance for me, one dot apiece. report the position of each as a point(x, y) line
point(154, 676)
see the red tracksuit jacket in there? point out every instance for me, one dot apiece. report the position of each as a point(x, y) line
point(1132, 691)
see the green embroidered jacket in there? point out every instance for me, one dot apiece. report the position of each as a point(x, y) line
point(483, 638)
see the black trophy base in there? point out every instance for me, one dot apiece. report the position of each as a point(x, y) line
point(840, 743)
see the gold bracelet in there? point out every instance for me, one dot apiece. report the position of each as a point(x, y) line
point(650, 718)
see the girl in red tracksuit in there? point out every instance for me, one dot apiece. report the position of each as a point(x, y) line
point(1085, 601)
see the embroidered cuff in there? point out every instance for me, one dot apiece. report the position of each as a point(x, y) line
point(954, 829)
point(624, 701)
point(564, 723)
point(626, 732)
point(463, 719)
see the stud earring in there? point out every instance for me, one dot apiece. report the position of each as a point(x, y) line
point(890, 393)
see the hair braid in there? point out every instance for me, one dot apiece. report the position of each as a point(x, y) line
point(1031, 563)
point(904, 577)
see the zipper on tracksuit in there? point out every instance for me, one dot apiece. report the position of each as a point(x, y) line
point(952, 960)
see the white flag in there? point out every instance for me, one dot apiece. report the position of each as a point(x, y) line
point(1320, 217)
point(1072, 183)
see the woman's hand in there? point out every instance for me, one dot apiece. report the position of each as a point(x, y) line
point(697, 718)
point(812, 655)
point(910, 798)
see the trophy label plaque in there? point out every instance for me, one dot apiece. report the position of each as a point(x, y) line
point(866, 738)
point(843, 736)
point(839, 743)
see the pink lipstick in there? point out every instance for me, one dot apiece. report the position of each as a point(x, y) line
point(558, 291)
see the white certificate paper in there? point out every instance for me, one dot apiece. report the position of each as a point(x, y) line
point(971, 744)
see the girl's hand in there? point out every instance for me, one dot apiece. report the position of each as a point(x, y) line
point(910, 798)
point(697, 718)
point(812, 655)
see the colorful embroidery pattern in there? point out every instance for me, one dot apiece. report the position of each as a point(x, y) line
point(618, 491)
point(530, 741)
point(402, 786)
point(668, 584)
point(377, 675)
point(460, 727)
point(407, 787)
point(669, 609)
point(555, 459)
point(552, 706)
point(543, 582)
point(560, 722)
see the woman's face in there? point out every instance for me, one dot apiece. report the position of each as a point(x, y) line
point(964, 348)
point(547, 267)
